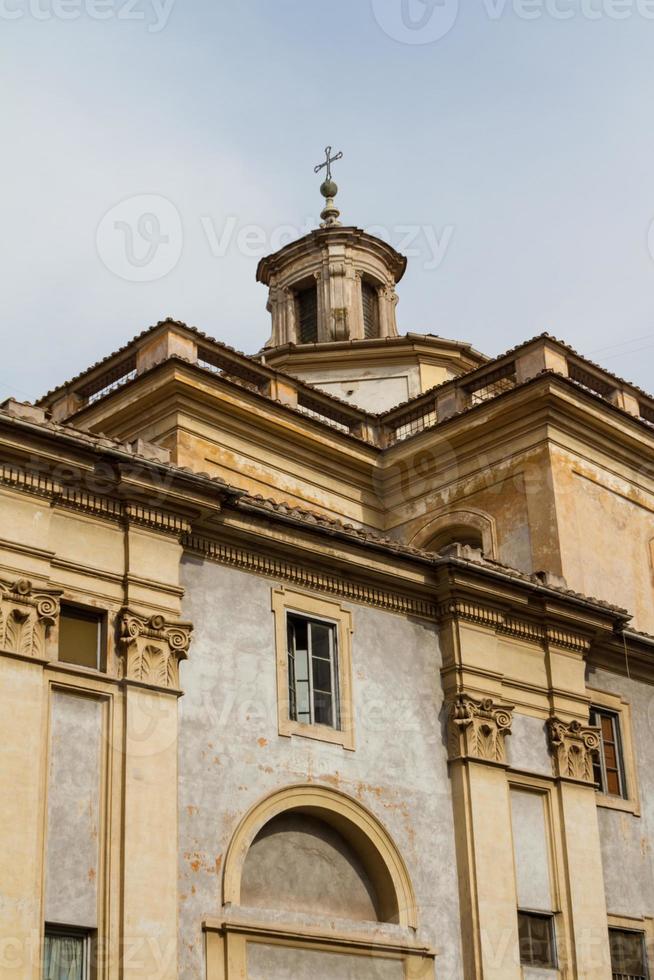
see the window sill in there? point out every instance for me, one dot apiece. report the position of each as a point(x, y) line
point(319, 733)
point(617, 803)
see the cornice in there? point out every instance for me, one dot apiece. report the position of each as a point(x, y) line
point(501, 621)
point(262, 563)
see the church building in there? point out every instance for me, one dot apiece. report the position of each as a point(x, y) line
point(333, 662)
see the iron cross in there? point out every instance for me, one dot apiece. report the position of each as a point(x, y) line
point(329, 159)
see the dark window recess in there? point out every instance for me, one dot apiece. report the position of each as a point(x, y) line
point(312, 671)
point(370, 310)
point(608, 765)
point(628, 955)
point(537, 942)
point(81, 633)
point(307, 310)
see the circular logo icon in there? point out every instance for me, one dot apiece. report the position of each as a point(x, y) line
point(141, 238)
point(416, 21)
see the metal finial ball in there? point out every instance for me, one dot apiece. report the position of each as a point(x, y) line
point(329, 188)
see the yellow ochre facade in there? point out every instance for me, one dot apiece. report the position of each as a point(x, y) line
point(332, 661)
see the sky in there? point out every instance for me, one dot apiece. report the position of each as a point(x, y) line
point(154, 150)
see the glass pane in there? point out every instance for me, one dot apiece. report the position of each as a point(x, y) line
point(611, 756)
point(324, 714)
point(627, 952)
point(613, 783)
point(536, 938)
point(79, 637)
point(63, 957)
point(321, 640)
point(322, 675)
point(298, 630)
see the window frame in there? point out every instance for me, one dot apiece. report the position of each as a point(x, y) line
point(635, 930)
point(285, 601)
point(597, 715)
point(621, 709)
point(56, 930)
point(310, 681)
point(90, 612)
point(550, 918)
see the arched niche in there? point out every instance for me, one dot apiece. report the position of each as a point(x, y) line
point(298, 862)
point(343, 832)
point(471, 527)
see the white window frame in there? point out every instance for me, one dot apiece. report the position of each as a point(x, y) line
point(320, 609)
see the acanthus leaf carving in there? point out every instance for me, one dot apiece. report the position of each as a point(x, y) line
point(573, 747)
point(478, 728)
point(153, 648)
point(26, 617)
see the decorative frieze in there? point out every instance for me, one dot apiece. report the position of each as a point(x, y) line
point(501, 621)
point(573, 747)
point(478, 728)
point(289, 571)
point(26, 618)
point(153, 648)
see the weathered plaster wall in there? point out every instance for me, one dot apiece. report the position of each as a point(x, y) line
point(313, 867)
point(527, 747)
point(606, 526)
point(276, 963)
point(627, 839)
point(73, 827)
point(230, 754)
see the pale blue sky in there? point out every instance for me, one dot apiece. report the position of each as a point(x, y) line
point(520, 152)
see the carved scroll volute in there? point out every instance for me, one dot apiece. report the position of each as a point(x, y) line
point(574, 747)
point(26, 617)
point(152, 649)
point(478, 728)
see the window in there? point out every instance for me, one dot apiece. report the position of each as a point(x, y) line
point(537, 942)
point(65, 954)
point(307, 315)
point(313, 640)
point(370, 310)
point(81, 634)
point(609, 765)
point(628, 956)
point(312, 671)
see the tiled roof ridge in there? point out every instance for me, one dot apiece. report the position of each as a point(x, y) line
point(500, 357)
point(339, 402)
point(311, 519)
point(211, 340)
point(468, 555)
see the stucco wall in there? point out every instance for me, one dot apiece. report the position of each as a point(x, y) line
point(276, 963)
point(627, 839)
point(72, 856)
point(597, 508)
point(313, 868)
point(230, 754)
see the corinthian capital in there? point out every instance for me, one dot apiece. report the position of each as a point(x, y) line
point(153, 648)
point(573, 748)
point(26, 617)
point(478, 728)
